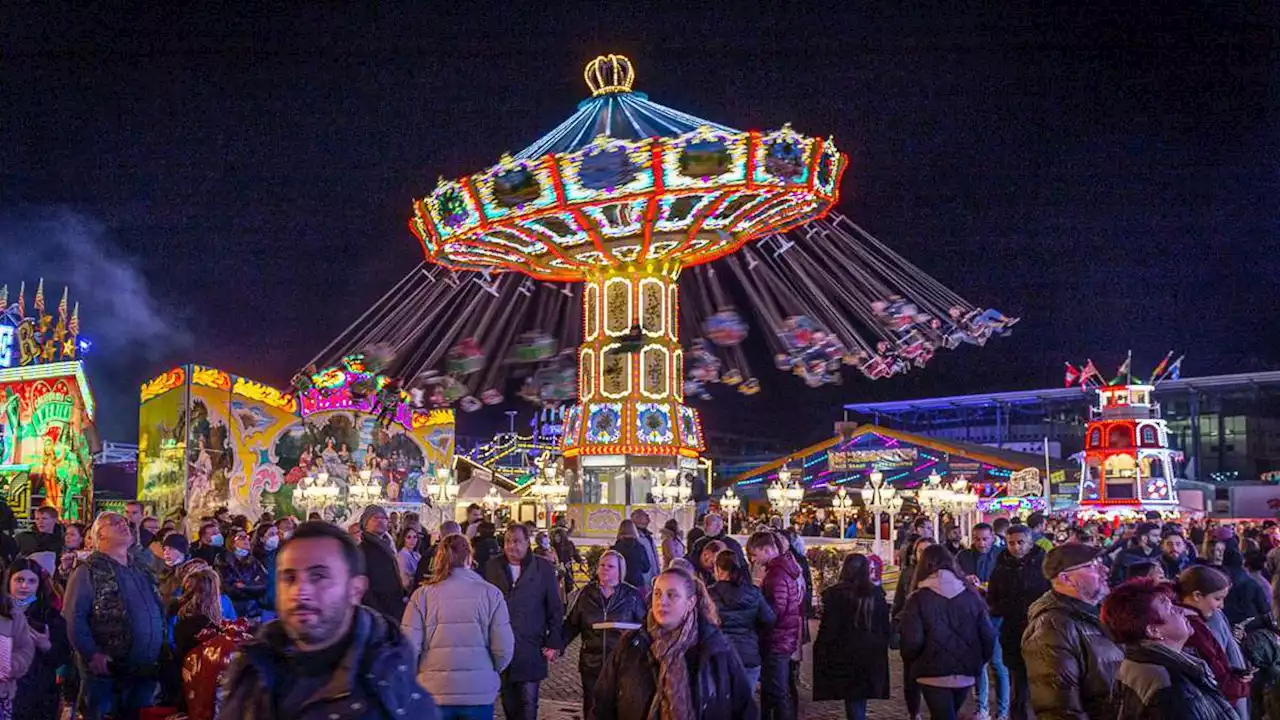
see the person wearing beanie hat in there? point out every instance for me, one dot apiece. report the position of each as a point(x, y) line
point(386, 592)
point(1071, 662)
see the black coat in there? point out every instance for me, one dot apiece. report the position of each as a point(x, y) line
point(629, 682)
point(1246, 598)
point(589, 607)
point(483, 549)
point(637, 560)
point(743, 614)
point(943, 635)
point(537, 614)
point(385, 593)
point(37, 693)
point(695, 548)
point(851, 653)
point(244, 580)
point(1014, 585)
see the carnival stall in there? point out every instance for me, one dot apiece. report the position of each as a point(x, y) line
point(211, 439)
point(47, 433)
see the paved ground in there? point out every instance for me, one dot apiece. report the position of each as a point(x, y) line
point(562, 693)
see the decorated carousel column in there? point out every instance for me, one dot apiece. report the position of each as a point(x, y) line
point(630, 365)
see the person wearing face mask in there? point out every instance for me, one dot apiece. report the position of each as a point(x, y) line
point(27, 587)
point(210, 544)
point(173, 555)
point(1156, 679)
point(244, 578)
point(266, 546)
point(679, 665)
point(1202, 591)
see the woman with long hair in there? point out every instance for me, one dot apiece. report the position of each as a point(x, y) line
point(244, 578)
point(461, 633)
point(28, 587)
point(743, 611)
point(672, 542)
point(628, 545)
point(409, 554)
point(947, 636)
point(1202, 590)
point(606, 599)
point(199, 608)
point(851, 653)
point(706, 566)
point(679, 666)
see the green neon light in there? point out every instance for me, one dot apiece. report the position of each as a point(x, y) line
point(15, 468)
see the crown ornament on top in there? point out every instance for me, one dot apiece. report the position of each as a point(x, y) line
point(609, 74)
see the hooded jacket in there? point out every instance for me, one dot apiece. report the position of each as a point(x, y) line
point(629, 681)
point(851, 652)
point(1071, 663)
point(781, 588)
point(744, 615)
point(373, 681)
point(1157, 683)
point(946, 633)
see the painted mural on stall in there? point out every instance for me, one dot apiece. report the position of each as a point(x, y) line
point(247, 446)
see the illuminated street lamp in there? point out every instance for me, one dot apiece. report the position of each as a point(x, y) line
point(785, 495)
point(730, 503)
point(879, 496)
point(366, 491)
point(317, 490)
point(671, 488)
point(842, 504)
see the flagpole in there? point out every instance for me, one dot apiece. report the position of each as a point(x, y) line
point(1128, 365)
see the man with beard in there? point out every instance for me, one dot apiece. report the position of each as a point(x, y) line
point(1071, 662)
point(1144, 547)
point(1173, 555)
point(1016, 582)
point(326, 656)
point(386, 590)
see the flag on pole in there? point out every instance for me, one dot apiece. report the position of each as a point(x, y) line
point(1124, 369)
point(1071, 376)
point(1160, 368)
point(1090, 371)
point(1175, 370)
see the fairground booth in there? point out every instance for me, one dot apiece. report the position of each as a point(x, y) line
point(210, 439)
point(47, 434)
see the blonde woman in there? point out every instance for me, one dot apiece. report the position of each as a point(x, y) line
point(607, 599)
point(461, 633)
point(199, 609)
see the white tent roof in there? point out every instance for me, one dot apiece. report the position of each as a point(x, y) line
point(476, 488)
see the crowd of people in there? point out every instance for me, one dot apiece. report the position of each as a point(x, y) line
point(280, 619)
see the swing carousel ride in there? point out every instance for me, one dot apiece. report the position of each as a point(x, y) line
point(568, 269)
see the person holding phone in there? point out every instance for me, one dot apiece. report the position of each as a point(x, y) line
point(27, 589)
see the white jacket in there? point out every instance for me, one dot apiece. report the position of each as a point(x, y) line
point(461, 632)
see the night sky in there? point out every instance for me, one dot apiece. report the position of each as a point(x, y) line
point(234, 189)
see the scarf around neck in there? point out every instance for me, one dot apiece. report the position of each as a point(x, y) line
point(674, 699)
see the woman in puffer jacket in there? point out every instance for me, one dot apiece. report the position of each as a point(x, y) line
point(744, 613)
point(460, 630)
point(947, 635)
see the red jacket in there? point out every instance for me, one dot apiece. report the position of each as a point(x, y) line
point(781, 588)
point(1206, 648)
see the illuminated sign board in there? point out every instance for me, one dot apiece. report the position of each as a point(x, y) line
point(881, 458)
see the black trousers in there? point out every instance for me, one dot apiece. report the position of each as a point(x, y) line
point(775, 687)
point(1020, 703)
point(520, 700)
point(589, 680)
point(943, 703)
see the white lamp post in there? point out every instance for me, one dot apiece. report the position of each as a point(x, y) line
point(730, 502)
point(879, 496)
point(442, 489)
point(842, 504)
point(784, 495)
point(365, 491)
point(551, 487)
point(316, 490)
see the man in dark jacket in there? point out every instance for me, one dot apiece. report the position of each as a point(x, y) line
point(977, 563)
point(326, 656)
point(1173, 555)
point(210, 544)
point(115, 623)
point(713, 529)
point(1071, 663)
point(781, 588)
point(386, 592)
point(529, 585)
point(1144, 547)
point(1016, 582)
point(45, 537)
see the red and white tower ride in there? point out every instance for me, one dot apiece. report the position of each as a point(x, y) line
point(1127, 462)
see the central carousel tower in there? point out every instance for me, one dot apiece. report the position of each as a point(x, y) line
point(621, 197)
